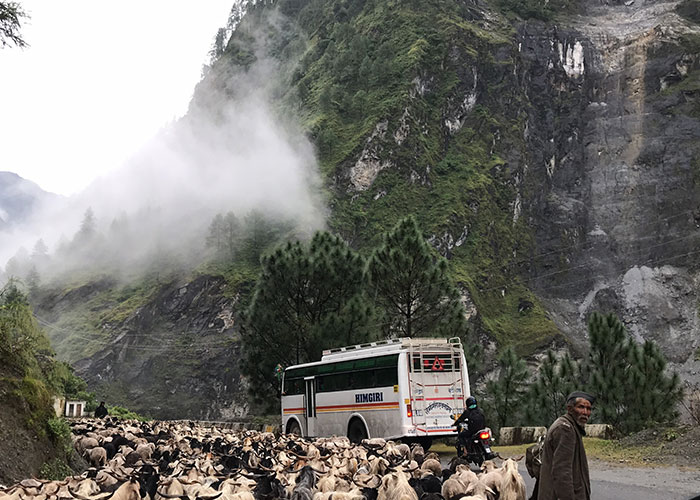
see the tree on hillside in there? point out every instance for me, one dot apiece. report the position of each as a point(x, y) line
point(307, 298)
point(652, 395)
point(628, 379)
point(225, 235)
point(11, 16)
point(215, 237)
point(507, 391)
point(607, 366)
point(88, 230)
point(411, 285)
point(259, 233)
point(555, 379)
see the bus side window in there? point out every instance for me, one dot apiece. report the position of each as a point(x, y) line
point(364, 379)
point(387, 376)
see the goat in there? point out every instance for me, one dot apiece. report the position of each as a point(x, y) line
point(512, 485)
point(395, 486)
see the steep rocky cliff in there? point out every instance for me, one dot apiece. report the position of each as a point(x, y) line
point(613, 127)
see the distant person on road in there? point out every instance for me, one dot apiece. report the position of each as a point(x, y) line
point(101, 411)
point(474, 417)
point(564, 470)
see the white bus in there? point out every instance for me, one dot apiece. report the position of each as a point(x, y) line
point(404, 388)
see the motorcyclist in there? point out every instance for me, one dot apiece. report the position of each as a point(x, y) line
point(474, 418)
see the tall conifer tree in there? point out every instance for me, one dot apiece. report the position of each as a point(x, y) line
point(506, 392)
point(307, 299)
point(410, 283)
point(628, 379)
point(555, 379)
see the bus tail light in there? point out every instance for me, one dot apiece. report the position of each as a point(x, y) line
point(409, 411)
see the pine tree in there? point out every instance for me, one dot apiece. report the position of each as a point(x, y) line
point(307, 298)
point(33, 280)
point(259, 233)
point(410, 284)
point(87, 232)
point(232, 236)
point(607, 366)
point(628, 379)
point(651, 396)
point(215, 237)
point(507, 391)
point(555, 379)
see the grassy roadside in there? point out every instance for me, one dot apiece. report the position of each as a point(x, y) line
point(596, 449)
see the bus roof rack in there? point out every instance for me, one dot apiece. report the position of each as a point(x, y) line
point(403, 342)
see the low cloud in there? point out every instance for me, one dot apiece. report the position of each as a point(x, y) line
point(227, 155)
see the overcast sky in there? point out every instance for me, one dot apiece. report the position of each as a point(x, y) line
point(98, 80)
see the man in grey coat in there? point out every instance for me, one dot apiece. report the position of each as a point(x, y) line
point(564, 471)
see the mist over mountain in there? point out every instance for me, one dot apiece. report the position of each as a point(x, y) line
point(20, 199)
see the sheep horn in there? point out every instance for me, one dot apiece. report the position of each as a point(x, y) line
point(165, 495)
point(212, 497)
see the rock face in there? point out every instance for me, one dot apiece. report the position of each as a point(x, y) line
point(176, 357)
point(610, 186)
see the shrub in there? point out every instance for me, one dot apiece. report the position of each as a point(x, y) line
point(59, 430)
point(125, 413)
point(55, 470)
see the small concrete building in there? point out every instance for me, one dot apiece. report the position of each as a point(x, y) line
point(75, 408)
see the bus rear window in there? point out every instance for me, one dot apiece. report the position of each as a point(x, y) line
point(435, 363)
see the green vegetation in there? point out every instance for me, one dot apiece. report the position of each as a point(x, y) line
point(507, 392)
point(412, 287)
point(307, 298)
point(312, 297)
point(555, 378)
point(59, 430)
point(55, 470)
point(30, 377)
point(543, 10)
point(629, 381)
point(124, 413)
point(380, 70)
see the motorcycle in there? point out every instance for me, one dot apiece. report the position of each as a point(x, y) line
point(477, 448)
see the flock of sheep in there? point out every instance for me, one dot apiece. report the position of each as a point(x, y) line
point(167, 460)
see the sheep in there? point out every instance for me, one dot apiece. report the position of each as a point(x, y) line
point(145, 450)
point(479, 491)
point(453, 488)
point(433, 466)
point(395, 486)
point(97, 456)
point(85, 443)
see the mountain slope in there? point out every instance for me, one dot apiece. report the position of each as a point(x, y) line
point(554, 163)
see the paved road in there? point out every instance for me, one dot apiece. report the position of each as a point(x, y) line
point(617, 482)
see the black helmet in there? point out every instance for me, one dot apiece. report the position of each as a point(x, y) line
point(471, 402)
